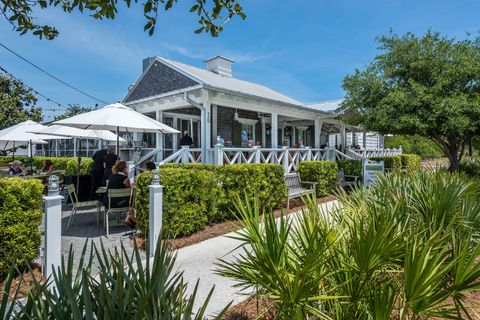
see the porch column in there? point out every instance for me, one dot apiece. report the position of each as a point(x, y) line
point(214, 123)
point(294, 138)
point(159, 136)
point(206, 124)
point(264, 136)
point(175, 135)
point(364, 138)
point(274, 135)
point(317, 132)
point(343, 138)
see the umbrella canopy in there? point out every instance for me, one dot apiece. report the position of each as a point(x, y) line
point(116, 117)
point(20, 134)
point(78, 133)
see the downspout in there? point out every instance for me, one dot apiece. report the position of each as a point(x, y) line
point(203, 124)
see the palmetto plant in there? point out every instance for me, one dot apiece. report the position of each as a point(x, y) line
point(125, 287)
point(406, 248)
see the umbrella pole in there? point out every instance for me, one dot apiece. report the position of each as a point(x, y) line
point(31, 156)
point(13, 151)
point(79, 160)
point(118, 144)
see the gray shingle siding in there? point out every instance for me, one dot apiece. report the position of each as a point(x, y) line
point(160, 79)
point(225, 118)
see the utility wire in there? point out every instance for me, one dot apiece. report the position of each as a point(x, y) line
point(50, 75)
point(35, 91)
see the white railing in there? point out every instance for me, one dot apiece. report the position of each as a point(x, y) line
point(364, 154)
point(289, 158)
point(184, 155)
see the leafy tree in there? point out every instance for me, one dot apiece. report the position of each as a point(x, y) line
point(428, 86)
point(17, 102)
point(213, 14)
point(421, 146)
point(73, 110)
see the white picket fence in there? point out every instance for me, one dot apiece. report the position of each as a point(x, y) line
point(288, 157)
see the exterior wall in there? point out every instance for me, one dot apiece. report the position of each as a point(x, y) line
point(225, 120)
point(159, 79)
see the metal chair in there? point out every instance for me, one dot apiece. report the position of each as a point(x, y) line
point(115, 194)
point(80, 205)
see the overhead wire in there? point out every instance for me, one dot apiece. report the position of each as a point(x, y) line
point(51, 75)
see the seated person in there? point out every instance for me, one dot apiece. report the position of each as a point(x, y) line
point(150, 166)
point(15, 169)
point(47, 167)
point(118, 180)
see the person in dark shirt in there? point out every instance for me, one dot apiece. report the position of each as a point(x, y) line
point(186, 140)
point(96, 175)
point(15, 169)
point(118, 180)
point(108, 162)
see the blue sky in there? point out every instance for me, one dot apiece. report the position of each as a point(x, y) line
point(301, 48)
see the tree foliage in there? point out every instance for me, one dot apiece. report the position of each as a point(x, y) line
point(428, 86)
point(212, 14)
point(72, 110)
point(17, 102)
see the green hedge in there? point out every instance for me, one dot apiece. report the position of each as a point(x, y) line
point(350, 167)
point(322, 172)
point(69, 164)
point(190, 200)
point(411, 161)
point(20, 218)
point(391, 163)
point(224, 183)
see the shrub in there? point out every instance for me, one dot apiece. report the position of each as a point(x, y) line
point(421, 146)
point(69, 164)
point(190, 200)
point(471, 166)
point(266, 181)
point(124, 287)
point(407, 245)
point(20, 218)
point(324, 173)
point(391, 163)
point(350, 167)
point(197, 194)
point(410, 161)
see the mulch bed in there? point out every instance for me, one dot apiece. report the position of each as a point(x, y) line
point(252, 308)
point(222, 228)
point(24, 280)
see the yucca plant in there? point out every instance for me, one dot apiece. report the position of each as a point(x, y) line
point(125, 287)
point(406, 248)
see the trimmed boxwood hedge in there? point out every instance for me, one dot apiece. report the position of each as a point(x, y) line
point(69, 164)
point(190, 200)
point(350, 167)
point(20, 218)
point(410, 161)
point(197, 194)
point(324, 173)
point(391, 163)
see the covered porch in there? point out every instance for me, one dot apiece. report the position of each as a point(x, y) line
point(229, 128)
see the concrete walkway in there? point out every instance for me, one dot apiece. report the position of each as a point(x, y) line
point(198, 262)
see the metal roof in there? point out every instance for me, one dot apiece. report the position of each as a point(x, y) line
point(330, 106)
point(230, 84)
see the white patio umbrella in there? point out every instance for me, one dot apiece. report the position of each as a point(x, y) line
point(116, 117)
point(71, 132)
point(20, 134)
